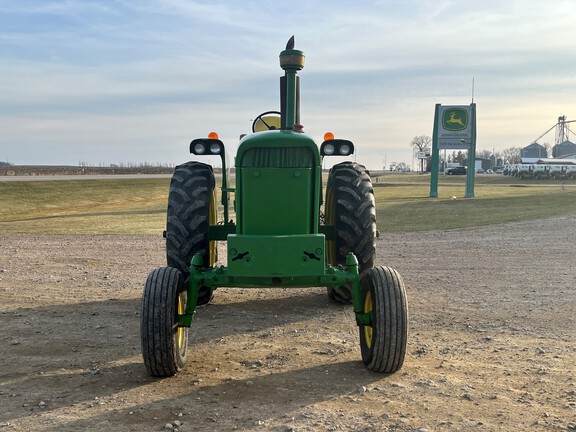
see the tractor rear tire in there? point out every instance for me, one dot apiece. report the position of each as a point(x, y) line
point(191, 211)
point(349, 206)
point(383, 343)
point(164, 344)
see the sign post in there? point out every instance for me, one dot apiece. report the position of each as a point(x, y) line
point(454, 128)
point(471, 154)
point(435, 157)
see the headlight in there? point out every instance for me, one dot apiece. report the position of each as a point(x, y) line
point(336, 147)
point(328, 149)
point(199, 148)
point(345, 149)
point(207, 146)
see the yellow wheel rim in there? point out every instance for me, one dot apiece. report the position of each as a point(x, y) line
point(181, 332)
point(212, 219)
point(330, 215)
point(368, 309)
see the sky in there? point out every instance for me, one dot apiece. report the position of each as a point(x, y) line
point(134, 81)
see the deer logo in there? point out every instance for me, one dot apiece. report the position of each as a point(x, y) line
point(455, 119)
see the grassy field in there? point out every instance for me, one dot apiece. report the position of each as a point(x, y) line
point(403, 203)
point(138, 206)
point(116, 206)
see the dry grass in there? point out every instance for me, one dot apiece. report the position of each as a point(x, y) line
point(403, 203)
point(138, 206)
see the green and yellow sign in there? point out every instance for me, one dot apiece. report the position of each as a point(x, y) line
point(455, 119)
point(454, 130)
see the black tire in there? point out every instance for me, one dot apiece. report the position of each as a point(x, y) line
point(191, 211)
point(164, 344)
point(349, 206)
point(383, 344)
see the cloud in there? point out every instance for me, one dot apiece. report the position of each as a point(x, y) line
point(149, 74)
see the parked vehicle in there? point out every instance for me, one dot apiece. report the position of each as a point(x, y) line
point(525, 171)
point(460, 170)
point(541, 171)
point(559, 171)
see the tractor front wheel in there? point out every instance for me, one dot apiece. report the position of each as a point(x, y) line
point(164, 343)
point(383, 342)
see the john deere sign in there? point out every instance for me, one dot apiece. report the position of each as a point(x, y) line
point(454, 128)
point(454, 131)
point(455, 119)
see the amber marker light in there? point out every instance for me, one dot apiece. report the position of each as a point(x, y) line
point(213, 135)
point(328, 136)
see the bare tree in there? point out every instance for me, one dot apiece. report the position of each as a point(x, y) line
point(483, 154)
point(511, 155)
point(421, 143)
point(460, 157)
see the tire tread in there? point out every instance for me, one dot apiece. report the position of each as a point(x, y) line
point(157, 320)
point(355, 219)
point(390, 320)
point(188, 218)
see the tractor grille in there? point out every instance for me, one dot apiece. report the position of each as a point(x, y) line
point(283, 157)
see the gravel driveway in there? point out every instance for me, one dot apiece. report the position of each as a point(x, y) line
point(492, 343)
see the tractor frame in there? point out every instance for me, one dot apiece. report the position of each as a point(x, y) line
point(283, 240)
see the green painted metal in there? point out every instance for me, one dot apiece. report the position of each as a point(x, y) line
point(225, 190)
point(277, 240)
point(291, 61)
point(185, 320)
point(282, 147)
point(278, 184)
point(435, 156)
point(221, 277)
point(221, 232)
point(276, 255)
point(471, 156)
point(275, 201)
point(362, 318)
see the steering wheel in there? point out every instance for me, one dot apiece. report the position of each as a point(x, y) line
point(269, 120)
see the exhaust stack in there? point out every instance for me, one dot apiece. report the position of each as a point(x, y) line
point(291, 61)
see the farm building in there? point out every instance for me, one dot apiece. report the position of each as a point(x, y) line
point(564, 149)
point(534, 150)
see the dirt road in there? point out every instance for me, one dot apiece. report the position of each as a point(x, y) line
point(492, 342)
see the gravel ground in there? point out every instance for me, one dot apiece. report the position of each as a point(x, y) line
point(492, 343)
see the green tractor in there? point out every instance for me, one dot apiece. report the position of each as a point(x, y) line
point(284, 240)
